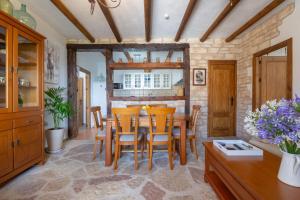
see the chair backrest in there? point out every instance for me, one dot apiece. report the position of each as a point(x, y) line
point(162, 120)
point(142, 112)
point(158, 105)
point(96, 110)
point(126, 120)
point(194, 118)
point(135, 105)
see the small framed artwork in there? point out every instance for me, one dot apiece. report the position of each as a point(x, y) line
point(199, 77)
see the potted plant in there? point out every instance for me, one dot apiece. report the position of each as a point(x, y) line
point(59, 110)
point(279, 123)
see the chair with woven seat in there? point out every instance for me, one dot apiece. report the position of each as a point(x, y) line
point(127, 131)
point(160, 131)
point(100, 135)
point(191, 132)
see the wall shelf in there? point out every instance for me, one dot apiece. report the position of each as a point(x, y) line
point(133, 66)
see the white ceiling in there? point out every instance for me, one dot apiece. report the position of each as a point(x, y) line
point(129, 17)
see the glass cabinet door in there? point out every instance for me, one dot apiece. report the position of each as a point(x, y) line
point(27, 69)
point(5, 67)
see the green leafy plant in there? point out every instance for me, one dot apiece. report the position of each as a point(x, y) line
point(57, 106)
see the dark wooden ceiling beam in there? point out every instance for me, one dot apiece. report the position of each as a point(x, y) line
point(170, 53)
point(110, 21)
point(148, 14)
point(126, 53)
point(255, 19)
point(185, 19)
point(229, 7)
point(61, 6)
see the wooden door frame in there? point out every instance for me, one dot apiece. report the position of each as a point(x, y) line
point(287, 43)
point(106, 50)
point(210, 63)
point(88, 102)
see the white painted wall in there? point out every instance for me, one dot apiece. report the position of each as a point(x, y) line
point(58, 40)
point(290, 28)
point(95, 63)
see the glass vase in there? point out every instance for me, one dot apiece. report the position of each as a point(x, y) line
point(23, 16)
point(6, 6)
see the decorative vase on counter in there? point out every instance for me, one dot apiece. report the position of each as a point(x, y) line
point(278, 122)
point(289, 171)
point(23, 16)
point(7, 7)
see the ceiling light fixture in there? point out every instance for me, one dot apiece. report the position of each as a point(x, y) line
point(112, 4)
point(166, 16)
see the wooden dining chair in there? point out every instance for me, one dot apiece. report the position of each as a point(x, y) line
point(160, 131)
point(191, 132)
point(100, 135)
point(142, 112)
point(135, 105)
point(127, 126)
point(158, 105)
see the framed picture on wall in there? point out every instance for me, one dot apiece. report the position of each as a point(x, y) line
point(52, 56)
point(199, 76)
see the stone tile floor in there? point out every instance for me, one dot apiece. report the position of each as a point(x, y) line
point(73, 174)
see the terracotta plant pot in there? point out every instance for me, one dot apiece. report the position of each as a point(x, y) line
point(55, 139)
point(289, 171)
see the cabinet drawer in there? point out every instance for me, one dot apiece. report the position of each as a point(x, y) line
point(27, 121)
point(5, 125)
point(28, 142)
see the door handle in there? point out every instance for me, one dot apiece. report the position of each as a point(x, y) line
point(231, 101)
point(18, 142)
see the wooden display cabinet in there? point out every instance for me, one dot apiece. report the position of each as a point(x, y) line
point(21, 97)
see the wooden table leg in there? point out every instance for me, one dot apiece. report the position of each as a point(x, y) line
point(108, 145)
point(183, 142)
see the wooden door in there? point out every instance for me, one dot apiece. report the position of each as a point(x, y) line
point(272, 81)
point(27, 78)
point(80, 101)
point(222, 98)
point(6, 152)
point(28, 144)
point(5, 67)
point(88, 99)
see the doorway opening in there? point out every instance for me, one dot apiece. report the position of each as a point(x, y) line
point(84, 98)
point(272, 74)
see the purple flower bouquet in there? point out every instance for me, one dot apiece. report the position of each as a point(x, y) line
point(278, 122)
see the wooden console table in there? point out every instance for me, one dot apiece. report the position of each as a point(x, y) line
point(246, 177)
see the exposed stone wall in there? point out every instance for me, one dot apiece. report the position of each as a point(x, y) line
point(251, 42)
point(241, 50)
point(200, 53)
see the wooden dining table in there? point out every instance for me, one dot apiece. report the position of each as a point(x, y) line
point(179, 120)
